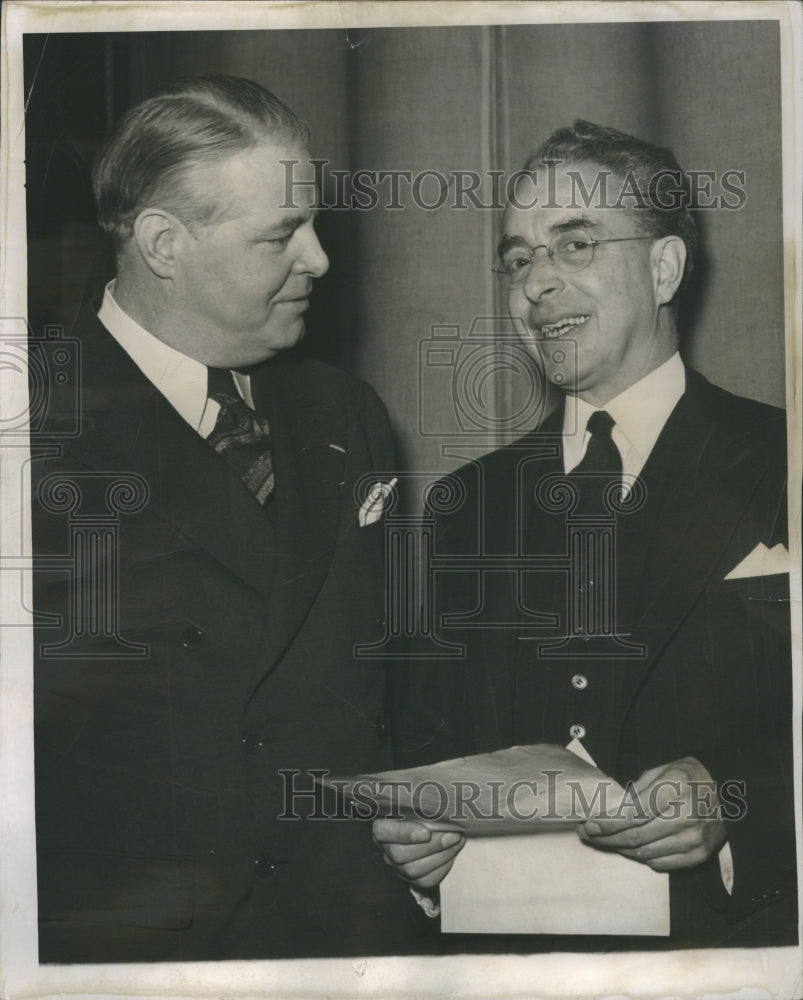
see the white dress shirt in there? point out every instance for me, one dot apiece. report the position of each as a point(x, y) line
point(639, 414)
point(182, 380)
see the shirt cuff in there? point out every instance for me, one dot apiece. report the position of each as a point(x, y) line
point(429, 902)
point(726, 867)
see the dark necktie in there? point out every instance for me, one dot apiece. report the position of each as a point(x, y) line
point(241, 436)
point(600, 466)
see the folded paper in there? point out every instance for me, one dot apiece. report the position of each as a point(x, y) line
point(519, 790)
point(523, 869)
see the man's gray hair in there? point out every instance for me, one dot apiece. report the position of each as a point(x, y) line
point(643, 163)
point(153, 155)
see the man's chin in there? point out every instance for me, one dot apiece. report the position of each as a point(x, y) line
point(295, 337)
point(288, 338)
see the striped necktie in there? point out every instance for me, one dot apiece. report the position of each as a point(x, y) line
point(241, 436)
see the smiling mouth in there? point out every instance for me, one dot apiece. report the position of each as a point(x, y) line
point(561, 327)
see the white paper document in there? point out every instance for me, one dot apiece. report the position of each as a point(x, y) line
point(551, 883)
point(523, 869)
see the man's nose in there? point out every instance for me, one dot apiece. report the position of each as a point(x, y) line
point(312, 259)
point(543, 278)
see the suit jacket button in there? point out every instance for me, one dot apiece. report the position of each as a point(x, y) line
point(254, 743)
point(192, 638)
point(381, 728)
point(577, 731)
point(767, 896)
point(265, 865)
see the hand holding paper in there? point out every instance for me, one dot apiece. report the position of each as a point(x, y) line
point(420, 856)
point(678, 826)
point(503, 827)
point(520, 790)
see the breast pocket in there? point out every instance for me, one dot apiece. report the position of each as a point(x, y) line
point(763, 599)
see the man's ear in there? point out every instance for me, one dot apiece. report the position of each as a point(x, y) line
point(668, 258)
point(155, 233)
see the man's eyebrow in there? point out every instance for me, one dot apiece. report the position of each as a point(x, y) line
point(578, 222)
point(288, 224)
point(508, 242)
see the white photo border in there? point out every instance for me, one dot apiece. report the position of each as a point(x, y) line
point(774, 972)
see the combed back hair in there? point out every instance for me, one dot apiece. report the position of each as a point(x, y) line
point(153, 157)
point(652, 169)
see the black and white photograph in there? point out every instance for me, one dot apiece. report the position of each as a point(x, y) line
point(400, 479)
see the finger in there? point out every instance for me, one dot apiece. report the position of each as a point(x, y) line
point(676, 862)
point(634, 836)
point(594, 828)
point(435, 877)
point(686, 842)
point(394, 831)
point(412, 871)
point(403, 854)
point(421, 867)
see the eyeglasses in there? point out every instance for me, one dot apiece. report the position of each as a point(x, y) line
point(571, 251)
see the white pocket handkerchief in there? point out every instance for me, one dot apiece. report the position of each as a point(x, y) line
point(374, 504)
point(762, 562)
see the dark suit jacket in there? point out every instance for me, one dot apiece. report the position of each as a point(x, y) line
point(714, 678)
point(159, 781)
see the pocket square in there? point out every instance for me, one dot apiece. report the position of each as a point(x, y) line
point(373, 505)
point(762, 562)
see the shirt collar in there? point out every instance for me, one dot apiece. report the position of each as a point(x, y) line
point(639, 412)
point(182, 380)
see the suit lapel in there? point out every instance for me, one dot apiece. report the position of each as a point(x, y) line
point(520, 527)
point(128, 426)
point(305, 424)
point(282, 551)
point(539, 524)
point(703, 481)
point(544, 528)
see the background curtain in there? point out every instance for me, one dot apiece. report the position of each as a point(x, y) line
point(444, 100)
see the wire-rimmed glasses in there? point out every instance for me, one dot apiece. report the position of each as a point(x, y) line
point(570, 251)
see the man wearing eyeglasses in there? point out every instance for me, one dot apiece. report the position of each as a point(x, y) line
point(667, 656)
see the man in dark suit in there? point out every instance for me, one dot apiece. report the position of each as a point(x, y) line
point(208, 560)
point(657, 634)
